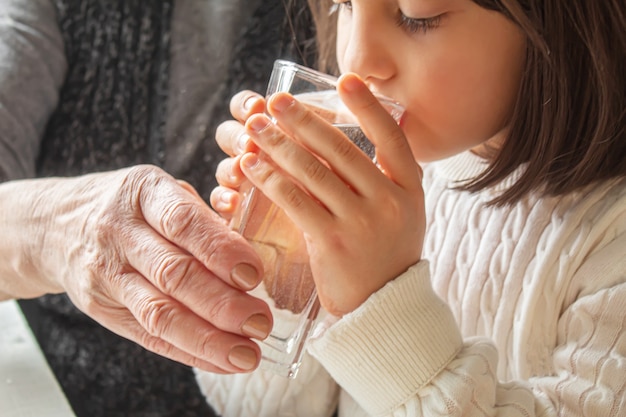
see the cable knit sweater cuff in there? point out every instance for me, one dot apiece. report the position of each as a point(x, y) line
point(393, 344)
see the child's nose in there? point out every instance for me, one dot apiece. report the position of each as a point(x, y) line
point(366, 51)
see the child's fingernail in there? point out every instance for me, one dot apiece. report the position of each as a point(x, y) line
point(227, 197)
point(250, 161)
point(242, 143)
point(281, 102)
point(351, 82)
point(258, 124)
point(250, 102)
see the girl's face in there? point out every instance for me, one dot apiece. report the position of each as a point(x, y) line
point(455, 66)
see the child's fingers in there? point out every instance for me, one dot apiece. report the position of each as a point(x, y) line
point(230, 135)
point(228, 173)
point(232, 138)
point(225, 201)
point(345, 159)
point(246, 103)
point(393, 154)
point(300, 164)
point(305, 211)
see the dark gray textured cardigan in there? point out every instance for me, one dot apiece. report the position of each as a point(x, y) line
point(111, 114)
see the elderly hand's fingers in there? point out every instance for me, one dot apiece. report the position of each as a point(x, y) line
point(189, 188)
point(192, 226)
point(164, 326)
point(179, 275)
point(192, 266)
point(119, 320)
point(246, 103)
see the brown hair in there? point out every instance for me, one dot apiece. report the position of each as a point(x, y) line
point(569, 121)
point(326, 29)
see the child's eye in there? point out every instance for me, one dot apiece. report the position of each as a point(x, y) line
point(415, 25)
point(410, 24)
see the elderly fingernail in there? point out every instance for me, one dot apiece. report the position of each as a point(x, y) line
point(257, 326)
point(243, 358)
point(245, 276)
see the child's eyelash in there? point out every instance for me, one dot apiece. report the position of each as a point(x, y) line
point(414, 25)
point(410, 24)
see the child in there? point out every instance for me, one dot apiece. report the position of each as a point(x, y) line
point(491, 283)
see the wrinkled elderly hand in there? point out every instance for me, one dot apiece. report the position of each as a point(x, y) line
point(143, 255)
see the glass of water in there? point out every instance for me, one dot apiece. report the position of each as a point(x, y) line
point(287, 284)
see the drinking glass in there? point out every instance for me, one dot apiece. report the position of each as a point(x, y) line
point(287, 284)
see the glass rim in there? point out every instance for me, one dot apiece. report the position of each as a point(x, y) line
point(394, 107)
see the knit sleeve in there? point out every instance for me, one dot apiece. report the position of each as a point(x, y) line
point(402, 354)
point(263, 394)
point(32, 69)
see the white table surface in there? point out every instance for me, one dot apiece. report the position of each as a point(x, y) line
point(28, 387)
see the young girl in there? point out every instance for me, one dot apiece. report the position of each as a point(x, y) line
point(493, 282)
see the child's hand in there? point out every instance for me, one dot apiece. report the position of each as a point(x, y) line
point(233, 140)
point(364, 224)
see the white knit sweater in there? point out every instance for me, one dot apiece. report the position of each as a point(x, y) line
point(518, 311)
